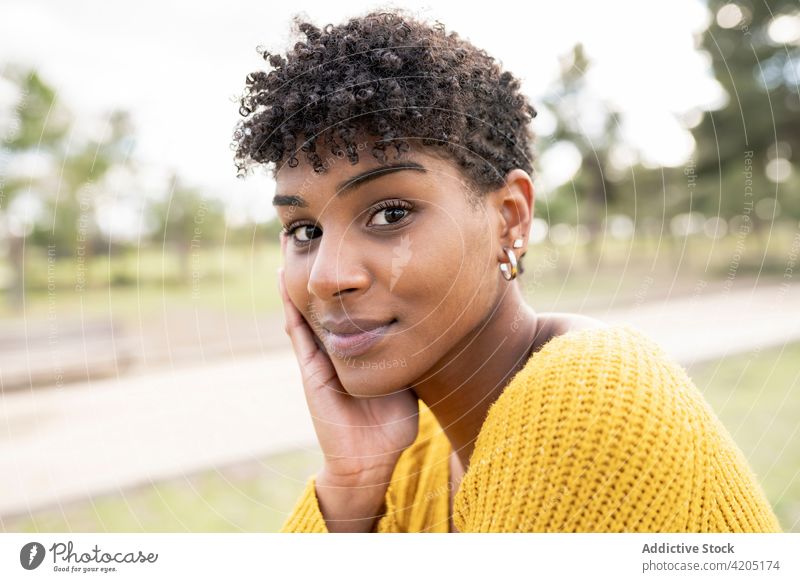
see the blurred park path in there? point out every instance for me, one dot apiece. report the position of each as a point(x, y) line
point(77, 440)
point(707, 326)
point(74, 441)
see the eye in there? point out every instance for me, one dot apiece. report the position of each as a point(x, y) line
point(391, 211)
point(387, 213)
point(301, 232)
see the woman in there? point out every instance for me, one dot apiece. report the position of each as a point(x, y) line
point(441, 400)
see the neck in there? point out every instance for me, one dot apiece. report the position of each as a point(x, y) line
point(460, 388)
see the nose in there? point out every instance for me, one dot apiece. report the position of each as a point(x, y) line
point(337, 268)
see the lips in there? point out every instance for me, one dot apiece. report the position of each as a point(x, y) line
point(353, 336)
point(352, 325)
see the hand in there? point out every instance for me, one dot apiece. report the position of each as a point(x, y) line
point(361, 438)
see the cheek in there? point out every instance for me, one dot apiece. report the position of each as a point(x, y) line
point(447, 287)
point(295, 284)
point(297, 289)
point(439, 305)
point(462, 275)
point(469, 287)
point(446, 254)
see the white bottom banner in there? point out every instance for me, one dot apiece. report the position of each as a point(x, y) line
point(354, 557)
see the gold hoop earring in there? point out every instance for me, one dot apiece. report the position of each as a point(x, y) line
point(509, 272)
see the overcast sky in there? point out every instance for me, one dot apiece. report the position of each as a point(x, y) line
point(176, 66)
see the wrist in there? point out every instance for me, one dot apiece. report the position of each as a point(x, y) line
point(352, 502)
point(349, 477)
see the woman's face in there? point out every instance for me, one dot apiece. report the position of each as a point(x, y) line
point(392, 254)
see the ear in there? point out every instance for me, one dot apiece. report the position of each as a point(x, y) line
point(514, 202)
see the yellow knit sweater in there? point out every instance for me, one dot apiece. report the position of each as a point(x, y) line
point(601, 431)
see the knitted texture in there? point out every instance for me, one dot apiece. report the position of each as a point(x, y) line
point(601, 431)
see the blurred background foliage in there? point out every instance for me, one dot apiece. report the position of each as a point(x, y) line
point(77, 214)
point(77, 197)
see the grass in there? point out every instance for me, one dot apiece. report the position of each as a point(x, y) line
point(141, 283)
point(246, 497)
point(756, 395)
point(241, 280)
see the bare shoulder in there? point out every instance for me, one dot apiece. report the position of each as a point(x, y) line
point(553, 324)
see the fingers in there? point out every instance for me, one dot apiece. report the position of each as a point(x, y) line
point(291, 315)
point(296, 326)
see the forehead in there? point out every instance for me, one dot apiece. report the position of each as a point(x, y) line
point(340, 174)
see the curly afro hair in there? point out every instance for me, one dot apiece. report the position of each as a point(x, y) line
point(392, 77)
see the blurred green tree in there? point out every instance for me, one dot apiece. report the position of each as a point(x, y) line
point(185, 221)
point(36, 129)
point(747, 151)
point(593, 128)
point(48, 169)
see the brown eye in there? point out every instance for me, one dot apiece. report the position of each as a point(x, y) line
point(391, 215)
point(302, 230)
point(390, 212)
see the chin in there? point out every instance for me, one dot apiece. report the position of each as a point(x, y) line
point(367, 379)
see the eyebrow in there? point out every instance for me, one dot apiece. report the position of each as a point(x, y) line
point(351, 183)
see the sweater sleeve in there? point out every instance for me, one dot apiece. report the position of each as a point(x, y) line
point(413, 500)
point(306, 517)
point(603, 432)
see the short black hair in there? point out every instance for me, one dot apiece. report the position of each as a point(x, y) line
point(394, 77)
